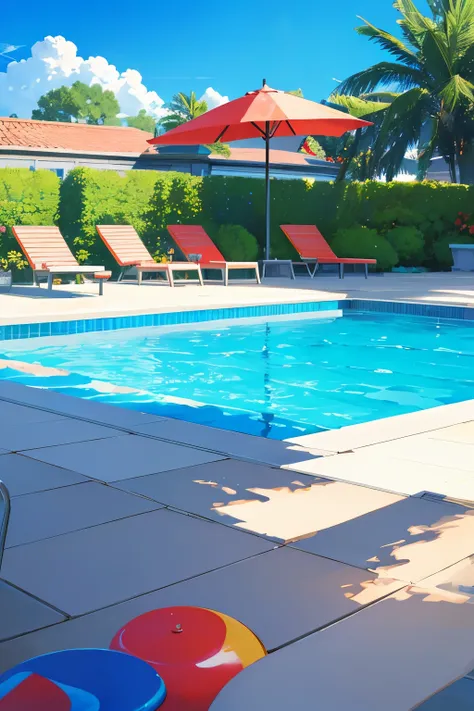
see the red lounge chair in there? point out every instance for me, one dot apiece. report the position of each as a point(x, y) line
point(313, 248)
point(193, 241)
point(125, 245)
point(48, 254)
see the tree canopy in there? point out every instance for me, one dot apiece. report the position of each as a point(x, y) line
point(182, 108)
point(430, 85)
point(185, 107)
point(78, 102)
point(143, 121)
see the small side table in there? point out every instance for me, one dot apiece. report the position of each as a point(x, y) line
point(277, 268)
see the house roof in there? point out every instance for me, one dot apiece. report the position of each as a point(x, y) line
point(71, 137)
point(257, 155)
point(28, 135)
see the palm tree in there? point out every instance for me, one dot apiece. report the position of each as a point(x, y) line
point(432, 107)
point(354, 151)
point(183, 108)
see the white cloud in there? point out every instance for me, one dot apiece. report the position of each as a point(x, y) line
point(54, 62)
point(213, 98)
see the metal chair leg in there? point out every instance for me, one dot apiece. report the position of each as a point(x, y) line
point(50, 281)
point(4, 517)
point(366, 271)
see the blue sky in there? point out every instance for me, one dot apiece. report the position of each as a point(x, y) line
point(185, 44)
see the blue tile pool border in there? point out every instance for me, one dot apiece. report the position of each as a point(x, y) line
point(175, 318)
point(401, 308)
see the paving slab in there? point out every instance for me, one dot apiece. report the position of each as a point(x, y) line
point(463, 433)
point(458, 579)
point(21, 614)
point(457, 697)
point(13, 414)
point(57, 511)
point(124, 457)
point(85, 570)
point(402, 476)
point(427, 450)
point(280, 595)
point(236, 444)
point(409, 540)
point(99, 412)
point(388, 429)
point(391, 655)
point(23, 475)
point(269, 502)
point(48, 434)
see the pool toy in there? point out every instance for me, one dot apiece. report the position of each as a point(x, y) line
point(195, 650)
point(83, 680)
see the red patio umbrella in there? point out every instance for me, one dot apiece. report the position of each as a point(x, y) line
point(265, 113)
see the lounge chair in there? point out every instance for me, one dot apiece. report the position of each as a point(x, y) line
point(48, 254)
point(194, 242)
point(313, 249)
point(129, 251)
point(4, 517)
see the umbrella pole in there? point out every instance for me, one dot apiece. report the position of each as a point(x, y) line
point(267, 190)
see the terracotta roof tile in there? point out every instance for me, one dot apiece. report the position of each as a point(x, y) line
point(257, 155)
point(72, 136)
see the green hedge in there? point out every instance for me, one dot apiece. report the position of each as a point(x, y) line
point(26, 198)
point(150, 200)
point(91, 197)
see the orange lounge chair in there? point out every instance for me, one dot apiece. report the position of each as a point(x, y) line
point(129, 251)
point(48, 254)
point(313, 248)
point(193, 241)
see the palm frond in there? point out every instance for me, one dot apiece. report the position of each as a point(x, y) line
point(358, 106)
point(455, 91)
point(384, 96)
point(172, 120)
point(438, 7)
point(401, 127)
point(390, 43)
point(413, 19)
point(382, 74)
point(459, 27)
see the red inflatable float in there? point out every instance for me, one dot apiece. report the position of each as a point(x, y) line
point(196, 652)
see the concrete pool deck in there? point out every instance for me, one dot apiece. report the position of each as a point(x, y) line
point(350, 553)
point(28, 303)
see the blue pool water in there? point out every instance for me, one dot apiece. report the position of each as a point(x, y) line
point(276, 379)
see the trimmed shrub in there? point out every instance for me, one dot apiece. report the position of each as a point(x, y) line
point(176, 199)
point(443, 254)
point(409, 244)
point(236, 243)
point(91, 197)
point(360, 241)
point(26, 198)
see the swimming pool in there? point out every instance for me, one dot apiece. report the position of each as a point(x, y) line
point(273, 378)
